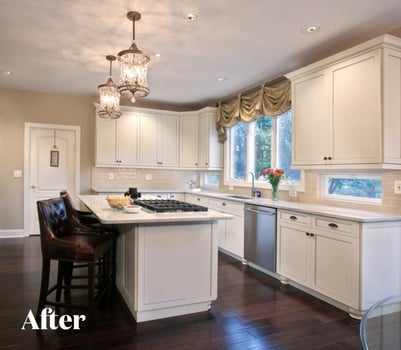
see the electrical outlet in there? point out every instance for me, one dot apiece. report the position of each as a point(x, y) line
point(111, 176)
point(397, 187)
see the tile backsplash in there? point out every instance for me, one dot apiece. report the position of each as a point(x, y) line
point(106, 179)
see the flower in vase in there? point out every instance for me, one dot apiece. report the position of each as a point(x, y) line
point(273, 176)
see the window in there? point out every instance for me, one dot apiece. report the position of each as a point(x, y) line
point(261, 144)
point(210, 179)
point(355, 188)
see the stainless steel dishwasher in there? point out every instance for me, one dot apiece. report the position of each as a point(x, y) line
point(260, 236)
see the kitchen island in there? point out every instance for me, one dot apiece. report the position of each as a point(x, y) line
point(166, 262)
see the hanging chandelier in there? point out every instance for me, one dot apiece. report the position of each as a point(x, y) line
point(133, 67)
point(109, 96)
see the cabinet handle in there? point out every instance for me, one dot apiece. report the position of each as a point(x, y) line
point(292, 217)
point(223, 204)
point(307, 233)
point(310, 234)
point(327, 158)
point(196, 164)
point(332, 225)
point(206, 163)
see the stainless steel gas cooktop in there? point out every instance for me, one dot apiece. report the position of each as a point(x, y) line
point(168, 205)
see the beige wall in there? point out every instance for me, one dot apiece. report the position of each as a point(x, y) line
point(18, 107)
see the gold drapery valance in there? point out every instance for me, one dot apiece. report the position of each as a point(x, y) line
point(268, 101)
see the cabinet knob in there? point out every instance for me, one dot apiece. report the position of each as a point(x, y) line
point(223, 204)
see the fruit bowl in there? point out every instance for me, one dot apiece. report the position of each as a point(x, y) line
point(118, 202)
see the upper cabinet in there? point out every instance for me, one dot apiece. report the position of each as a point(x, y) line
point(155, 138)
point(117, 141)
point(347, 108)
point(158, 139)
point(199, 146)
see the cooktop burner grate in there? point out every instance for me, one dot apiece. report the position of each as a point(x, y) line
point(168, 205)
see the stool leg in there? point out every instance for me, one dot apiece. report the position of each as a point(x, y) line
point(44, 286)
point(91, 295)
point(60, 275)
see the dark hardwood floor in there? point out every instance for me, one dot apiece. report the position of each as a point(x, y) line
point(253, 311)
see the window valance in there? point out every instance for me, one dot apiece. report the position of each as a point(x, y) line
point(269, 100)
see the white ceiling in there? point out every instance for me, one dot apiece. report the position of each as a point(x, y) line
point(60, 45)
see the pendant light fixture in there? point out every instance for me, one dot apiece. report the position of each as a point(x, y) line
point(133, 67)
point(109, 96)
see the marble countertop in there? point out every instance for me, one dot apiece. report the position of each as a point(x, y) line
point(99, 206)
point(315, 209)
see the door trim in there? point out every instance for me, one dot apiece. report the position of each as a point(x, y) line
point(27, 172)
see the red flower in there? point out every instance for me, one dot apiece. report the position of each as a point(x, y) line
point(273, 175)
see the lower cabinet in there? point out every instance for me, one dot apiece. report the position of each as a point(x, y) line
point(338, 259)
point(231, 232)
point(321, 254)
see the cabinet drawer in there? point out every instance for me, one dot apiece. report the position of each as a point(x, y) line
point(295, 218)
point(335, 225)
point(226, 206)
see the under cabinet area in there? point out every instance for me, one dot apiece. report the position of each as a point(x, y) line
point(348, 92)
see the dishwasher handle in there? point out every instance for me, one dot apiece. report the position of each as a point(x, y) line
point(258, 211)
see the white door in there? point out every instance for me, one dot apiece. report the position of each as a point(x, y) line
point(51, 165)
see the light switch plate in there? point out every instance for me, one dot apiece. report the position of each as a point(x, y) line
point(17, 173)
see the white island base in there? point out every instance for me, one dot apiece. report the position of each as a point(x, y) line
point(167, 269)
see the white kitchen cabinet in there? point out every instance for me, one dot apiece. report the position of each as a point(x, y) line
point(199, 146)
point(210, 150)
point(189, 144)
point(347, 263)
point(195, 199)
point(117, 141)
point(321, 254)
point(231, 232)
point(344, 109)
point(158, 140)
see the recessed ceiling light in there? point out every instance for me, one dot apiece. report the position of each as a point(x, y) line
point(191, 16)
point(220, 79)
point(6, 73)
point(158, 54)
point(310, 28)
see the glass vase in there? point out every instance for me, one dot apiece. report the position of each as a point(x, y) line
point(275, 192)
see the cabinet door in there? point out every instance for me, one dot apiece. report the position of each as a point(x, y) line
point(311, 120)
point(105, 142)
point(189, 142)
point(148, 140)
point(293, 254)
point(235, 235)
point(356, 110)
point(127, 139)
point(210, 150)
point(335, 268)
point(168, 141)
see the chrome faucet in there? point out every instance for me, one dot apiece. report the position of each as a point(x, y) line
point(253, 189)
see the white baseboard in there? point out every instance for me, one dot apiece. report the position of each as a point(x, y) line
point(12, 233)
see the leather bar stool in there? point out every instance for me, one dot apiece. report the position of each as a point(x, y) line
point(61, 243)
point(86, 223)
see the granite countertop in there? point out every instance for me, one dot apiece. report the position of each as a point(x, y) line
point(315, 209)
point(99, 206)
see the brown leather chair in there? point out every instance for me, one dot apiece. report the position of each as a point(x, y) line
point(85, 223)
point(61, 241)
